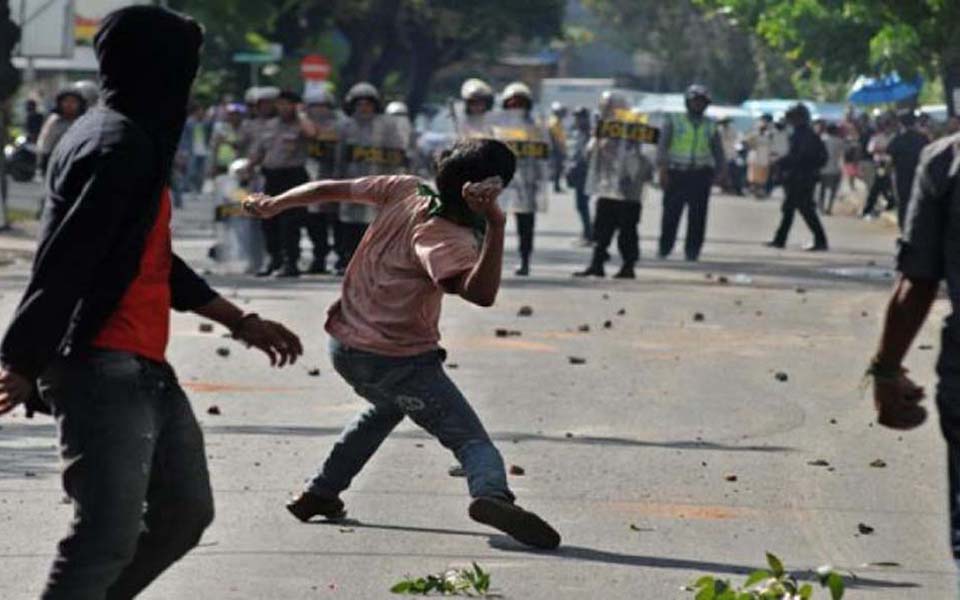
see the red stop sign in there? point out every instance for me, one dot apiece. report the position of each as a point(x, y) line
point(315, 67)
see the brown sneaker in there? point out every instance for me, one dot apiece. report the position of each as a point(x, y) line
point(307, 505)
point(522, 525)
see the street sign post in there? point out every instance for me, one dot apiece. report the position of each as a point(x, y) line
point(315, 67)
point(272, 54)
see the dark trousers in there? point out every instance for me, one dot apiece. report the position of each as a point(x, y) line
point(882, 184)
point(282, 233)
point(583, 209)
point(135, 470)
point(904, 189)
point(799, 198)
point(829, 184)
point(623, 218)
point(689, 189)
point(525, 226)
point(351, 235)
point(319, 228)
point(948, 405)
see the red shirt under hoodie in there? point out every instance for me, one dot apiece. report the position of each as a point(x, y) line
point(141, 322)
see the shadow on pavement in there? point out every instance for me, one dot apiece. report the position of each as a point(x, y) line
point(581, 553)
point(501, 436)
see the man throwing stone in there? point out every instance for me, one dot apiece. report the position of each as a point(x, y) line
point(385, 327)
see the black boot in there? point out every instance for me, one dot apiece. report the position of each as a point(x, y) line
point(318, 267)
point(524, 269)
point(626, 272)
point(267, 271)
point(290, 271)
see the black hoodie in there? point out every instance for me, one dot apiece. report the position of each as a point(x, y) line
point(103, 190)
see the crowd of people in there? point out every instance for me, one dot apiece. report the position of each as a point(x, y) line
point(275, 139)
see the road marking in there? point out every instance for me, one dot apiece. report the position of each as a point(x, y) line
point(680, 511)
point(213, 387)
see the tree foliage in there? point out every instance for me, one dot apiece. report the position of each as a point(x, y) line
point(850, 37)
point(693, 45)
point(401, 43)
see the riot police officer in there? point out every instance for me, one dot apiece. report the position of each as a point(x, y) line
point(477, 98)
point(616, 175)
point(689, 156)
point(322, 220)
point(370, 144)
point(281, 153)
point(526, 194)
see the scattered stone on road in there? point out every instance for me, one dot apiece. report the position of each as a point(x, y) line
point(925, 347)
point(314, 372)
point(584, 328)
point(878, 464)
point(525, 311)
point(781, 376)
point(801, 290)
point(731, 477)
point(206, 328)
point(213, 410)
point(723, 280)
point(698, 317)
point(621, 312)
point(608, 324)
point(576, 360)
point(223, 351)
point(517, 470)
point(453, 366)
point(818, 463)
point(502, 333)
point(865, 529)
point(457, 471)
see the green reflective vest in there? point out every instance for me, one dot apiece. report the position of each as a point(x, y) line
point(690, 143)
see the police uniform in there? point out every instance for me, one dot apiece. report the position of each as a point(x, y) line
point(282, 150)
point(691, 150)
point(930, 250)
point(616, 176)
point(323, 219)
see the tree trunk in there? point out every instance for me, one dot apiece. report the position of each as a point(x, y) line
point(950, 72)
point(423, 64)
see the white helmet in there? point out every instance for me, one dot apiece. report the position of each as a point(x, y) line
point(90, 91)
point(319, 96)
point(476, 89)
point(360, 91)
point(611, 101)
point(397, 108)
point(517, 89)
point(250, 96)
point(558, 108)
point(267, 93)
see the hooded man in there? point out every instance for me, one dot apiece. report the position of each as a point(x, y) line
point(91, 330)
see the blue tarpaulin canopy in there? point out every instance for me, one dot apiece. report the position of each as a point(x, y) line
point(881, 90)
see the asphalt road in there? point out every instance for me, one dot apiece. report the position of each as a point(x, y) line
point(631, 455)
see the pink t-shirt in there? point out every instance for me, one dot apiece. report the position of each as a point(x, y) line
point(391, 296)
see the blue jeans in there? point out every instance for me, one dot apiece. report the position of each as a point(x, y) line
point(134, 468)
point(414, 387)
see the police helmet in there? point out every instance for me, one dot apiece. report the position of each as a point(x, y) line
point(611, 101)
point(558, 108)
point(477, 89)
point(362, 91)
point(698, 91)
point(319, 96)
point(397, 108)
point(267, 93)
point(90, 91)
point(517, 89)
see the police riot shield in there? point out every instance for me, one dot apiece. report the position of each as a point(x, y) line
point(373, 146)
point(467, 127)
point(322, 150)
point(530, 141)
point(239, 245)
point(617, 168)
